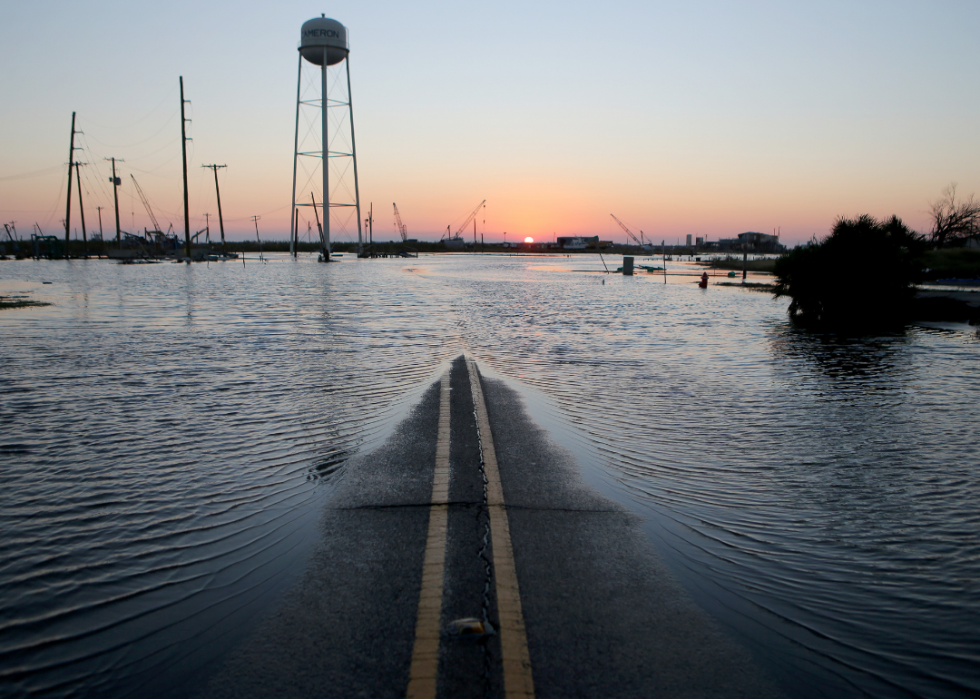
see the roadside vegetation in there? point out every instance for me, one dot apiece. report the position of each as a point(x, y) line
point(954, 220)
point(951, 263)
point(861, 278)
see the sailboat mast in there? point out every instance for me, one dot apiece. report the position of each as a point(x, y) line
point(217, 191)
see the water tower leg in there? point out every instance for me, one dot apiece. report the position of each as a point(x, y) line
point(326, 158)
point(353, 151)
point(292, 212)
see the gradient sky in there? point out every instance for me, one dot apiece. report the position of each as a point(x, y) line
point(708, 118)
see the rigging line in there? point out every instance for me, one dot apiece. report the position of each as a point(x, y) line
point(266, 213)
point(153, 171)
point(103, 189)
point(89, 191)
point(33, 173)
point(57, 201)
point(166, 99)
point(97, 163)
point(309, 185)
point(169, 144)
point(336, 131)
point(309, 180)
point(344, 224)
point(131, 145)
point(311, 132)
point(341, 182)
point(309, 122)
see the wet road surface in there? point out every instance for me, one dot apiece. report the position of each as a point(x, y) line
point(469, 518)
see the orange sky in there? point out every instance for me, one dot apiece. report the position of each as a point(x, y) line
point(704, 119)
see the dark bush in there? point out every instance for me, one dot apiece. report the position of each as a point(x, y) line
point(858, 279)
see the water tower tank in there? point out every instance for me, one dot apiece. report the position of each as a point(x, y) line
point(323, 32)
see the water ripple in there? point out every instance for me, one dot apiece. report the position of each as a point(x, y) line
point(166, 447)
point(169, 433)
point(812, 489)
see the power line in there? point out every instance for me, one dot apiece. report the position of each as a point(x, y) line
point(33, 173)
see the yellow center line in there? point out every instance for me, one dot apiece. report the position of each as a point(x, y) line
point(518, 681)
point(422, 674)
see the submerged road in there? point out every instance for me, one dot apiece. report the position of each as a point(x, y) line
point(466, 558)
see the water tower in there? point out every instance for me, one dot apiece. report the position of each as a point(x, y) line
point(325, 102)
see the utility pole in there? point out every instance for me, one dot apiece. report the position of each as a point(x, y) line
point(71, 157)
point(183, 151)
point(371, 227)
point(115, 196)
point(81, 206)
point(221, 221)
point(99, 209)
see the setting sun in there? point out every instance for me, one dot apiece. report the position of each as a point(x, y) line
point(529, 239)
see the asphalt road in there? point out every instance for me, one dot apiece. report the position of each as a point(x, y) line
point(600, 615)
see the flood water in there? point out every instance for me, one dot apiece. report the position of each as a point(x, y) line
point(168, 434)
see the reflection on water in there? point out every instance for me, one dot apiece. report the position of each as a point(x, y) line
point(842, 358)
point(815, 494)
point(169, 431)
point(166, 437)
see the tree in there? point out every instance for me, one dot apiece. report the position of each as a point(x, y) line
point(860, 278)
point(953, 219)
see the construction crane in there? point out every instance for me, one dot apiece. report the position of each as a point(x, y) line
point(469, 218)
point(402, 228)
point(146, 204)
point(629, 232)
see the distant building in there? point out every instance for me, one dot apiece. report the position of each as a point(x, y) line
point(577, 242)
point(751, 242)
point(688, 240)
point(760, 242)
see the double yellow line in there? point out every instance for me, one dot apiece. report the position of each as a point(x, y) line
point(423, 673)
